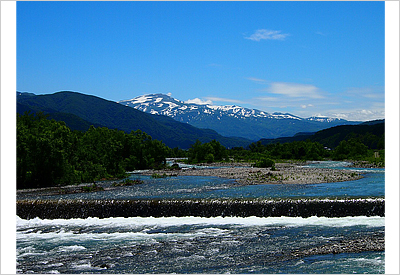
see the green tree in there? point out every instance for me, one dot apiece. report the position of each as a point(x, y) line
point(350, 149)
point(207, 152)
point(49, 153)
point(44, 148)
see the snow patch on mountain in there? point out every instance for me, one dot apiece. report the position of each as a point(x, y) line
point(285, 116)
point(162, 104)
point(324, 119)
point(230, 120)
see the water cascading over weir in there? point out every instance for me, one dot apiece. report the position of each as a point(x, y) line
point(67, 209)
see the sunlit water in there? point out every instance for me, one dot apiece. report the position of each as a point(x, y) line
point(186, 187)
point(203, 245)
point(192, 245)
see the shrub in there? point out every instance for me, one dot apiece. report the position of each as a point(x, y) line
point(175, 166)
point(128, 182)
point(265, 163)
point(92, 188)
point(158, 176)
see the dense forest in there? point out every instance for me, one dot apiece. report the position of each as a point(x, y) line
point(352, 149)
point(371, 134)
point(49, 153)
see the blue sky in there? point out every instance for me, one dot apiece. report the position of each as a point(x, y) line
point(303, 58)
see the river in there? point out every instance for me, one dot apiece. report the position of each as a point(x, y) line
point(195, 244)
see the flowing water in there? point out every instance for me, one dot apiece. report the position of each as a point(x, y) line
point(205, 244)
point(189, 187)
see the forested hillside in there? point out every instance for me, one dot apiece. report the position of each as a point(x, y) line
point(74, 122)
point(100, 112)
point(371, 134)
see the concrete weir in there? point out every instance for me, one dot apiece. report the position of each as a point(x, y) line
point(67, 209)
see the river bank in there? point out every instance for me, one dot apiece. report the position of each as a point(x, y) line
point(284, 173)
point(242, 173)
point(364, 164)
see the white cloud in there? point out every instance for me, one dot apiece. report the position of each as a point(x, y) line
point(306, 106)
point(358, 115)
point(258, 80)
point(266, 98)
point(169, 94)
point(199, 101)
point(367, 92)
point(229, 100)
point(264, 34)
point(295, 90)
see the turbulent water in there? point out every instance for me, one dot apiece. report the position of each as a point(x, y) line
point(207, 244)
point(193, 245)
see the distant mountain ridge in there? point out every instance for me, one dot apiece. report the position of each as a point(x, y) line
point(83, 110)
point(371, 133)
point(231, 120)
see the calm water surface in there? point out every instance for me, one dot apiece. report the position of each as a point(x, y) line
point(186, 187)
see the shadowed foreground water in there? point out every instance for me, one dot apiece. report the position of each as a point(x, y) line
point(200, 245)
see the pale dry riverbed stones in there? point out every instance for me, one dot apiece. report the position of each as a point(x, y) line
point(284, 174)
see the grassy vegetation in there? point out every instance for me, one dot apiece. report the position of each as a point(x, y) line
point(93, 188)
point(128, 182)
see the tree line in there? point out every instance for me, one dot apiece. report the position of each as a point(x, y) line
point(50, 154)
point(266, 155)
point(351, 149)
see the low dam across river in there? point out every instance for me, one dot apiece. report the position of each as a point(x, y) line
point(68, 209)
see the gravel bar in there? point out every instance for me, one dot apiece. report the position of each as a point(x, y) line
point(285, 173)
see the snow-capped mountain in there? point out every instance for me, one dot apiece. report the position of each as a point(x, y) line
point(230, 120)
point(161, 104)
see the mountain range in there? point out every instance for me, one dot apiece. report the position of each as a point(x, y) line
point(231, 120)
point(79, 111)
point(371, 133)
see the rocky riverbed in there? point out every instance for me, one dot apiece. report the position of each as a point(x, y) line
point(284, 173)
point(375, 242)
point(242, 173)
